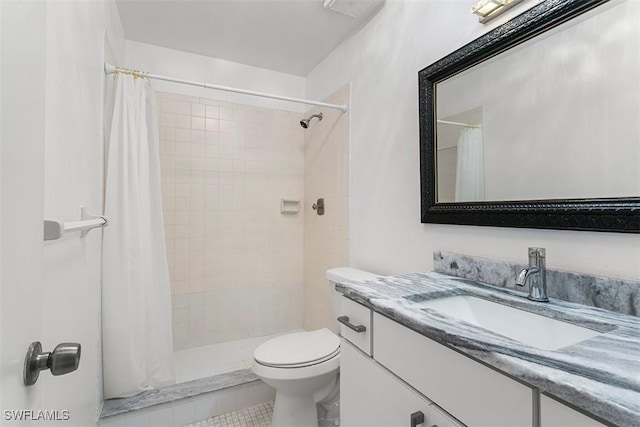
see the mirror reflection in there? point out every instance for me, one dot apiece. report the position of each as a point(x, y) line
point(557, 117)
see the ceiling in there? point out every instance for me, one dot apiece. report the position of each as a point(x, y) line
point(290, 36)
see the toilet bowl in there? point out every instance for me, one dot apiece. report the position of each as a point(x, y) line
point(303, 367)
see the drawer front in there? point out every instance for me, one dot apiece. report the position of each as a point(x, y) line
point(472, 392)
point(356, 315)
point(372, 397)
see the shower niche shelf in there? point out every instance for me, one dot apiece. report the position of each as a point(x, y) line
point(289, 206)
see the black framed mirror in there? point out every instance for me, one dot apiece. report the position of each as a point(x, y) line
point(520, 129)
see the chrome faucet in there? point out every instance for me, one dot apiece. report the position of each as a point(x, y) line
point(535, 275)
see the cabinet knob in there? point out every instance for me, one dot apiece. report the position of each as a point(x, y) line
point(417, 418)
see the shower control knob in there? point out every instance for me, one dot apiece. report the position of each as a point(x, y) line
point(63, 359)
point(318, 206)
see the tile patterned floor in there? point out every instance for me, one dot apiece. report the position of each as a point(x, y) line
point(253, 416)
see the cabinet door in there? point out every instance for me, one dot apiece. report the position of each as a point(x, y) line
point(470, 391)
point(370, 396)
point(555, 414)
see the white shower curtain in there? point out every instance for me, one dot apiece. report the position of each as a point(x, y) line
point(136, 294)
point(470, 166)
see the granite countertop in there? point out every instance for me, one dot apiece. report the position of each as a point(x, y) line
point(600, 375)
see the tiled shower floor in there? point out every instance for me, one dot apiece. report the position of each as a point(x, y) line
point(215, 359)
point(211, 381)
point(254, 416)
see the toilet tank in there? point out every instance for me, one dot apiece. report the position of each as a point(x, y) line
point(344, 274)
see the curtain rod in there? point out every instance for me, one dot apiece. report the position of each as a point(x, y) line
point(446, 122)
point(111, 69)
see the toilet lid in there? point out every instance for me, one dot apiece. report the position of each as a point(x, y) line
point(298, 349)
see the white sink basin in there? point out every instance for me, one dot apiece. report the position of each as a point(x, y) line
point(529, 328)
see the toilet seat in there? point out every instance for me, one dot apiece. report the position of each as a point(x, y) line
point(298, 350)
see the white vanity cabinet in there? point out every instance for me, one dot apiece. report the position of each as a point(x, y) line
point(388, 372)
point(555, 414)
point(408, 372)
point(472, 392)
point(372, 397)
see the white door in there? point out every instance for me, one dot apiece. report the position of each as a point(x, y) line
point(22, 130)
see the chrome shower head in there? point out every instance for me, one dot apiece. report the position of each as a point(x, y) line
point(305, 122)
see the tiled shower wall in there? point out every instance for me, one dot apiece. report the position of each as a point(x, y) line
point(326, 237)
point(235, 260)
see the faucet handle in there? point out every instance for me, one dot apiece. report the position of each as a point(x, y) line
point(537, 257)
point(538, 252)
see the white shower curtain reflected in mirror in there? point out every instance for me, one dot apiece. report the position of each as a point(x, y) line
point(136, 294)
point(470, 166)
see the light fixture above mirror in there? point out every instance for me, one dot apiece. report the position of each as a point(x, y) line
point(489, 9)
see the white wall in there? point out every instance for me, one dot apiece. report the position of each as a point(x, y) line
point(382, 62)
point(188, 66)
point(53, 167)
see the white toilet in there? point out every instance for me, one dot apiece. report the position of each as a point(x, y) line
point(303, 367)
